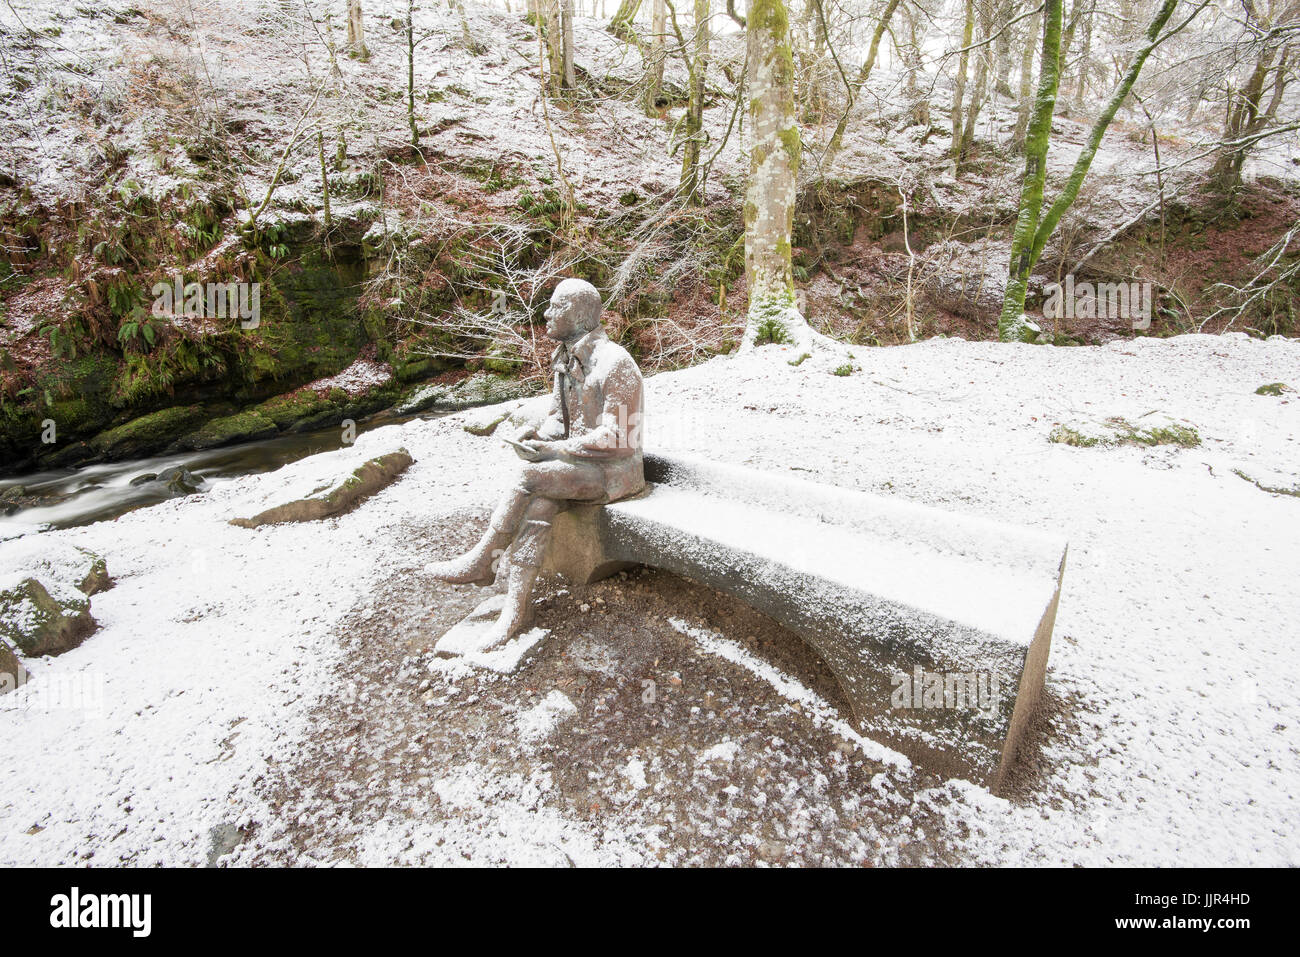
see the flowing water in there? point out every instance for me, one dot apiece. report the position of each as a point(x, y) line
point(95, 493)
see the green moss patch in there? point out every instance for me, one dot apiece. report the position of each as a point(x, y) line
point(242, 427)
point(1150, 430)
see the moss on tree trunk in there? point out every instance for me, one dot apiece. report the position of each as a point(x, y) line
point(1032, 229)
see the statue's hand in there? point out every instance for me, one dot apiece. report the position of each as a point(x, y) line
point(536, 450)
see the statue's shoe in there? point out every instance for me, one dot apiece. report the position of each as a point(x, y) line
point(461, 571)
point(496, 635)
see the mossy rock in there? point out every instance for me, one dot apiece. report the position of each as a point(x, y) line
point(310, 326)
point(76, 416)
point(502, 360)
point(421, 399)
point(179, 481)
point(1172, 434)
point(13, 498)
point(291, 408)
point(326, 417)
point(245, 426)
point(484, 389)
point(148, 433)
point(1273, 388)
point(37, 624)
point(79, 388)
point(67, 456)
point(415, 368)
point(366, 480)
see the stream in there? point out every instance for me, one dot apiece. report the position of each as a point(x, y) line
point(104, 490)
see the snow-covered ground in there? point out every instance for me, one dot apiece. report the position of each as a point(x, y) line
point(1171, 726)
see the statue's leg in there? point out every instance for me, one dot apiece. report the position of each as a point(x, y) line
point(525, 559)
point(475, 566)
point(551, 485)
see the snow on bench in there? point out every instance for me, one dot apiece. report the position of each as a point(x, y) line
point(936, 625)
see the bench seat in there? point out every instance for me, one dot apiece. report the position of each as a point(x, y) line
point(936, 625)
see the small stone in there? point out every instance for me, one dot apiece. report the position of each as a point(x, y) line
point(97, 579)
point(179, 480)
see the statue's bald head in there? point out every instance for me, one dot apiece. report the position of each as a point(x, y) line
point(582, 301)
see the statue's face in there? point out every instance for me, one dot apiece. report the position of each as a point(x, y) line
point(561, 322)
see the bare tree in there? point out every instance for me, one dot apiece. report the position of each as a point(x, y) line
point(658, 32)
point(690, 135)
point(1033, 226)
point(568, 76)
point(621, 25)
point(775, 152)
point(1272, 27)
point(356, 31)
point(864, 74)
point(1026, 82)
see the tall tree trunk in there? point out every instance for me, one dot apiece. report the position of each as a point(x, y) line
point(356, 31)
point(324, 183)
point(959, 82)
point(800, 46)
point(566, 56)
point(1002, 48)
point(773, 168)
point(548, 19)
point(1012, 324)
point(691, 186)
point(1067, 38)
point(982, 70)
point(1026, 84)
point(466, 37)
point(658, 29)
point(1033, 231)
point(410, 72)
point(918, 102)
point(1085, 59)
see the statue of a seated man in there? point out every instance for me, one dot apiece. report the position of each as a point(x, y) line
point(587, 451)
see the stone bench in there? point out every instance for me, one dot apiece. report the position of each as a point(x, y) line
point(937, 625)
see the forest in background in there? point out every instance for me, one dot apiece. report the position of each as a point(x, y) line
point(406, 182)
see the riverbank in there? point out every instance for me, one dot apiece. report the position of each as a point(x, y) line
point(270, 696)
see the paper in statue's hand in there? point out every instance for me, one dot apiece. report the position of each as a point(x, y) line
point(524, 450)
